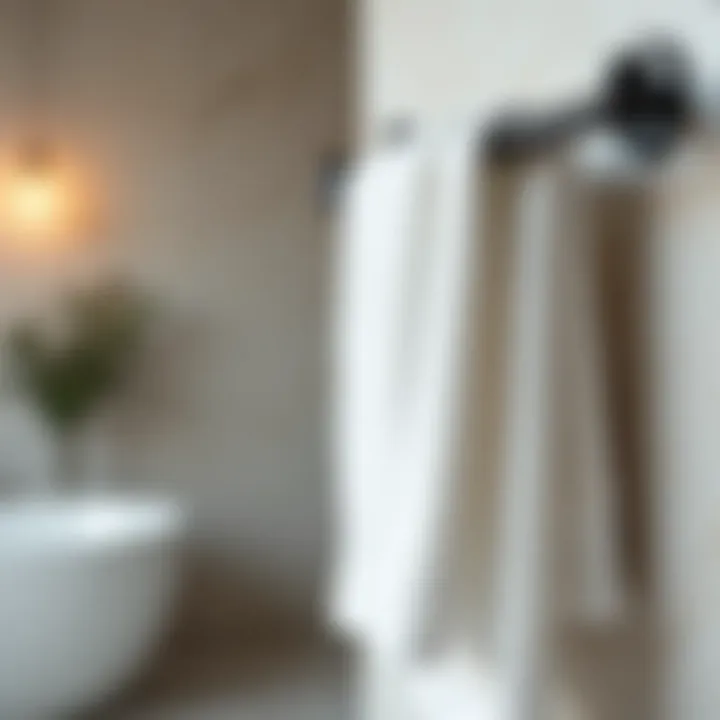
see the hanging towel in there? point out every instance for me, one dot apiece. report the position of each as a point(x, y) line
point(684, 356)
point(411, 260)
point(527, 482)
point(597, 592)
point(421, 458)
point(559, 463)
point(404, 271)
point(382, 209)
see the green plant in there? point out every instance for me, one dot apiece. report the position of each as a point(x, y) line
point(69, 377)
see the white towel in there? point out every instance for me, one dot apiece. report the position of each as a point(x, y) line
point(556, 363)
point(527, 492)
point(420, 462)
point(409, 261)
point(404, 276)
point(685, 417)
point(382, 208)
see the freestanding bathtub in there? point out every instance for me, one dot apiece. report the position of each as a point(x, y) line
point(86, 588)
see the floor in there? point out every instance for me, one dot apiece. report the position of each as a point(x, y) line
point(296, 683)
point(613, 675)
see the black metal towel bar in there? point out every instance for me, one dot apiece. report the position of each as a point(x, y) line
point(646, 97)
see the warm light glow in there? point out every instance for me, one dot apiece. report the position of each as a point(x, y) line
point(41, 205)
point(36, 203)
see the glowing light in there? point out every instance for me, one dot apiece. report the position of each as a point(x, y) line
point(41, 205)
point(36, 202)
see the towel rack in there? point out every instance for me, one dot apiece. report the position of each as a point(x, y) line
point(646, 98)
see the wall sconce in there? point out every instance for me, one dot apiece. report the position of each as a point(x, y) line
point(41, 206)
point(43, 203)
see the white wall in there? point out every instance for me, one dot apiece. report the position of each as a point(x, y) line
point(205, 121)
point(436, 59)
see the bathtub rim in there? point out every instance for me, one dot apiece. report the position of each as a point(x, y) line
point(88, 524)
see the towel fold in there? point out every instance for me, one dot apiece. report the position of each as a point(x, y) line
point(382, 208)
point(413, 250)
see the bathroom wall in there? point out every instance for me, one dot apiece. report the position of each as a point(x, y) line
point(204, 122)
point(438, 59)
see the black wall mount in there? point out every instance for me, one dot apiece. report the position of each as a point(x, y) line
point(647, 98)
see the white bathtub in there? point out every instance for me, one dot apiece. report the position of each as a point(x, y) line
point(86, 589)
